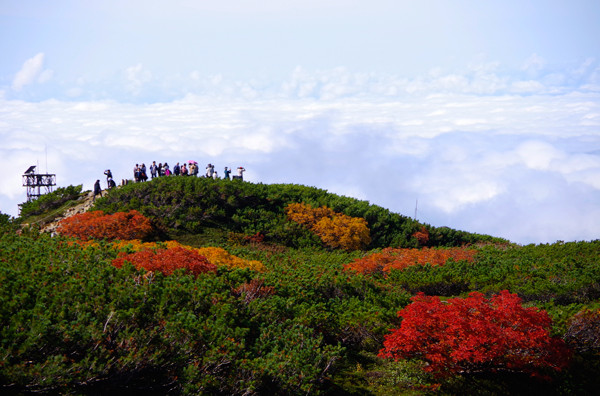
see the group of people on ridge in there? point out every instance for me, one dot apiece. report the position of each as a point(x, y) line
point(190, 169)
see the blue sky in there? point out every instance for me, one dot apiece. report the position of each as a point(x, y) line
point(486, 113)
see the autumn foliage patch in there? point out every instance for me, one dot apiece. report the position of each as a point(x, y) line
point(97, 225)
point(167, 261)
point(336, 230)
point(422, 236)
point(214, 255)
point(399, 259)
point(476, 334)
point(220, 256)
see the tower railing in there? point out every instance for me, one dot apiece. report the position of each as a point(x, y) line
point(37, 184)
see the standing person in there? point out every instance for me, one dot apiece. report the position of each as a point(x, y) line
point(136, 173)
point(177, 169)
point(143, 174)
point(109, 176)
point(165, 169)
point(184, 171)
point(195, 170)
point(97, 189)
point(215, 176)
point(241, 171)
point(209, 170)
point(153, 169)
point(159, 169)
point(226, 173)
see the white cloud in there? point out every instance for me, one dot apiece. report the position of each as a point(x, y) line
point(538, 155)
point(474, 161)
point(136, 77)
point(31, 71)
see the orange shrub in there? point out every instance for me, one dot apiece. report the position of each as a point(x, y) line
point(214, 255)
point(167, 261)
point(97, 225)
point(422, 236)
point(336, 230)
point(390, 258)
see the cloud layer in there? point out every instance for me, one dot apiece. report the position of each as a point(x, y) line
point(482, 116)
point(523, 167)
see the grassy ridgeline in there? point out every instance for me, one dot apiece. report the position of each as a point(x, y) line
point(192, 204)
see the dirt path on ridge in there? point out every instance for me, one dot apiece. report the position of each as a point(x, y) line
point(83, 206)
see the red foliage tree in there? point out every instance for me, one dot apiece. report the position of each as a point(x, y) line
point(97, 225)
point(167, 260)
point(476, 334)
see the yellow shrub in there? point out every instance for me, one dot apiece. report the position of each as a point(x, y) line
point(336, 230)
point(220, 256)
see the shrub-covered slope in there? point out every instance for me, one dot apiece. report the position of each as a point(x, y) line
point(190, 204)
point(249, 302)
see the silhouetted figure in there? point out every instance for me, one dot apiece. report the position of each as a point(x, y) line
point(143, 174)
point(108, 174)
point(97, 189)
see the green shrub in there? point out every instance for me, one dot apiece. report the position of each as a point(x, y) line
point(191, 204)
point(50, 201)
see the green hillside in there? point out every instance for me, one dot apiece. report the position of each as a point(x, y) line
point(311, 319)
point(197, 205)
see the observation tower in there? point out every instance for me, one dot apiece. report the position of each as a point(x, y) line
point(35, 182)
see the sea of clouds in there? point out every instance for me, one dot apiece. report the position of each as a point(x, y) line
point(511, 154)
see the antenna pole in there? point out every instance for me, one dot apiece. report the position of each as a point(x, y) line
point(416, 205)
